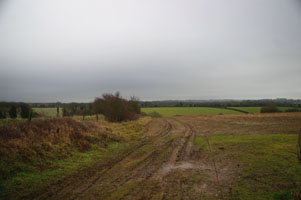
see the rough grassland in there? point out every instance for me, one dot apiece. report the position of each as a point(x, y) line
point(265, 166)
point(34, 155)
point(173, 111)
point(241, 157)
point(8, 121)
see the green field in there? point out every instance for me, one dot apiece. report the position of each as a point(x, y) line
point(172, 111)
point(51, 112)
point(47, 112)
point(257, 109)
point(164, 111)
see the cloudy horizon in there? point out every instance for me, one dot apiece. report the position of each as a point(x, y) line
point(63, 50)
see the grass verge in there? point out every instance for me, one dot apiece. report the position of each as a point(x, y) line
point(42, 155)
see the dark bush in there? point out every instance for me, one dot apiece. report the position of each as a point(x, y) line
point(269, 109)
point(65, 112)
point(135, 104)
point(25, 110)
point(13, 112)
point(115, 108)
point(292, 110)
point(2, 114)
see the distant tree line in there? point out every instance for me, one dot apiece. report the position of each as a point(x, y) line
point(191, 103)
point(47, 105)
point(222, 103)
point(12, 110)
point(272, 108)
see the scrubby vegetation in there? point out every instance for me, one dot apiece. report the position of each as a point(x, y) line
point(254, 110)
point(33, 154)
point(269, 109)
point(24, 145)
point(293, 110)
point(116, 109)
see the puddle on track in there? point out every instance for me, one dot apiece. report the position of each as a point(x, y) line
point(182, 166)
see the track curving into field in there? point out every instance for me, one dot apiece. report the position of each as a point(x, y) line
point(142, 172)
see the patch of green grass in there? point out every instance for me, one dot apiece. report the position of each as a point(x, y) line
point(257, 109)
point(8, 121)
point(34, 179)
point(173, 111)
point(52, 112)
point(48, 112)
point(268, 163)
point(88, 117)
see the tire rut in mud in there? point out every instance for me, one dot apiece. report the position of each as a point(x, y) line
point(142, 170)
point(150, 171)
point(80, 183)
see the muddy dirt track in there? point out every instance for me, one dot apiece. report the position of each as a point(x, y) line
point(164, 165)
point(149, 170)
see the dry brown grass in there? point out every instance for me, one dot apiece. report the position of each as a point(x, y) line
point(42, 140)
point(248, 123)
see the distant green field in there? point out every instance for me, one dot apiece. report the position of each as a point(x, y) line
point(51, 112)
point(47, 112)
point(172, 111)
point(168, 111)
point(88, 117)
point(257, 109)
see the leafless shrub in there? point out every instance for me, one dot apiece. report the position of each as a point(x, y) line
point(269, 109)
point(115, 108)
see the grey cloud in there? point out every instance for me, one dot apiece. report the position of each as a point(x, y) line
point(63, 50)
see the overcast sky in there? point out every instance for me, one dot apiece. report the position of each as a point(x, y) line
point(75, 50)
